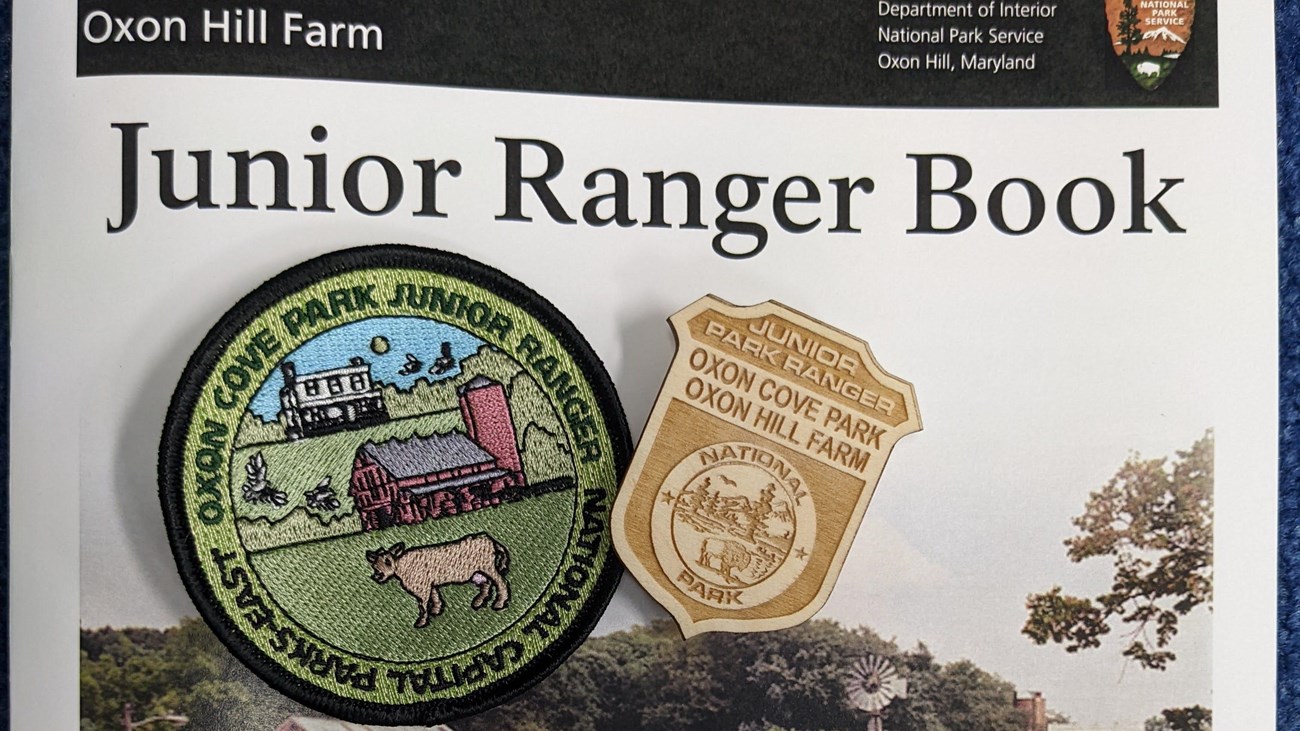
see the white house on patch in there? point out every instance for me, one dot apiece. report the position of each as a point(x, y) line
point(327, 401)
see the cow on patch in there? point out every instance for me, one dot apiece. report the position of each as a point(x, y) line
point(478, 559)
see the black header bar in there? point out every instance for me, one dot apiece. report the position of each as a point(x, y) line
point(890, 53)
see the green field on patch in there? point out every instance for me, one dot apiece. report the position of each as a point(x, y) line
point(297, 467)
point(327, 585)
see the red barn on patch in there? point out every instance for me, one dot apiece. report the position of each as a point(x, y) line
point(406, 481)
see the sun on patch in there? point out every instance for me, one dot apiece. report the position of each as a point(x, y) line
point(387, 476)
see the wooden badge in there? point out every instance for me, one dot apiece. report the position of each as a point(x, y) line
point(766, 443)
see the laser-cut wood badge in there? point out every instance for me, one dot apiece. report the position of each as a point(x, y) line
point(757, 464)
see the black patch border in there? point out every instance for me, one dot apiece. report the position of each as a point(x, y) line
point(170, 479)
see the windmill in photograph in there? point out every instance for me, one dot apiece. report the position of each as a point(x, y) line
point(872, 685)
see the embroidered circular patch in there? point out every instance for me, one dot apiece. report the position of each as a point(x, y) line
point(387, 476)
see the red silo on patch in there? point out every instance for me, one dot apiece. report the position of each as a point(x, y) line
point(486, 411)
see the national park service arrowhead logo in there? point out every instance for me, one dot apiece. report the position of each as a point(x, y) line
point(387, 476)
point(1150, 36)
point(756, 466)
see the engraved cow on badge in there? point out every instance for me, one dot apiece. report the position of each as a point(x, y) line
point(478, 559)
point(729, 556)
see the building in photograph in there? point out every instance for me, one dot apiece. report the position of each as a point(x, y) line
point(327, 401)
point(1034, 710)
point(406, 481)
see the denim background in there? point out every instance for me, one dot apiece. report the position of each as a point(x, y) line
point(1288, 113)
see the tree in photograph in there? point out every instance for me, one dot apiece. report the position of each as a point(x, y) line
point(642, 679)
point(183, 670)
point(648, 678)
point(1127, 27)
point(1056, 717)
point(1154, 521)
point(1194, 718)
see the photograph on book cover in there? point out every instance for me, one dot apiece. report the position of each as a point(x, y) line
point(1023, 249)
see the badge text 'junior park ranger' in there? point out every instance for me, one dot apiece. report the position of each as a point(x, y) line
point(757, 464)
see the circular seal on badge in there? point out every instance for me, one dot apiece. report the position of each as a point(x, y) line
point(740, 523)
point(387, 476)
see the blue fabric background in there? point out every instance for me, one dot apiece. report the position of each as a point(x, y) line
point(1288, 217)
point(1288, 90)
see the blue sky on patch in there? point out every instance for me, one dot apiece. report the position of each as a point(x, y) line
point(334, 348)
